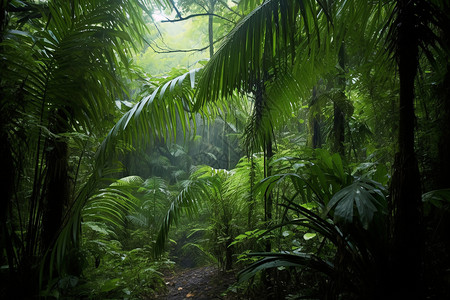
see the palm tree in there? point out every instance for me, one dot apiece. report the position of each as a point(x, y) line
point(410, 32)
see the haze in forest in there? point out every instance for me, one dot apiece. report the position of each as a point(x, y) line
point(279, 149)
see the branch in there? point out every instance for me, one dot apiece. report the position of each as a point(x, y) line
point(229, 8)
point(176, 9)
point(163, 51)
point(197, 15)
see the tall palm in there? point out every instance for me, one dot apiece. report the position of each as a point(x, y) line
point(411, 32)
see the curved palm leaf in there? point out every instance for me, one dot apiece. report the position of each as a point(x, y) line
point(155, 116)
point(273, 260)
point(129, 129)
point(260, 43)
point(113, 203)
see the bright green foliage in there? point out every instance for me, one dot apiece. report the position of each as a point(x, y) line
point(113, 272)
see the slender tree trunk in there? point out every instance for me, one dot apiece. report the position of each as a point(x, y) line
point(210, 28)
point(406, 184)
point(211, 36)
point(57, 189)
point(7, 176)
point(338, 120)
point(268, 199)
point(228, 247)
point(251, 206)
point(314, 123)
point(7, 168)
point(224, 143)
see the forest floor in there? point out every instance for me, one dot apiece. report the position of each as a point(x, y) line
point(199, 283)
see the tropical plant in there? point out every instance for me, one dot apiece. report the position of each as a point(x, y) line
point(345, 214)
point(62, 64)
point(329, 62)
point(263, 41)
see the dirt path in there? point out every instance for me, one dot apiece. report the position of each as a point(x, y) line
point(199, 283)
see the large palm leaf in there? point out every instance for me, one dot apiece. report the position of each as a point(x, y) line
point(156, 116)
point(264, 41)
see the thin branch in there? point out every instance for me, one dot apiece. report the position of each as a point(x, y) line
point(176, 9)
point(179, 50)
point(163, 51)
point(203, 7)
point(229, 8)
point(196, 15)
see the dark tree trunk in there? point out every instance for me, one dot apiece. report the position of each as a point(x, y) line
point(314, 123)
point(443, 179)
point(251, 206)
point(7, 176)
point(211, 36)
point(339, 120)
point(268, 199)
point(338, 129)
point(57, 188)
point(406, 183)
point(7, 168)
point(228, 251)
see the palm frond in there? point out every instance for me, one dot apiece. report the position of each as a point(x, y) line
point(273, 260)
point(156, 116)
point(262, 42)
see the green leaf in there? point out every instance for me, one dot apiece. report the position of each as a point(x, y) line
point(308, 236)
point(361, 194)
point(110, 285)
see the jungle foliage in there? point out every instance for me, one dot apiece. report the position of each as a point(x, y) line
point(306, 146)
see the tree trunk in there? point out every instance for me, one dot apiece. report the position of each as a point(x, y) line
point(7, 176)
point(406, 184)
point(251, 206)
point(444, 140)
point(339, 120)
point(211, 36)
point(7, 168)
point(314, 123)
point(268, 199)
point(210, 28)
point(57, 189)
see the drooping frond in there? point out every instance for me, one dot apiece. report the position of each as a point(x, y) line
point(426, 17)
point(274, 260)
point(155, 117)
point(264, 41)
point(107, 205)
